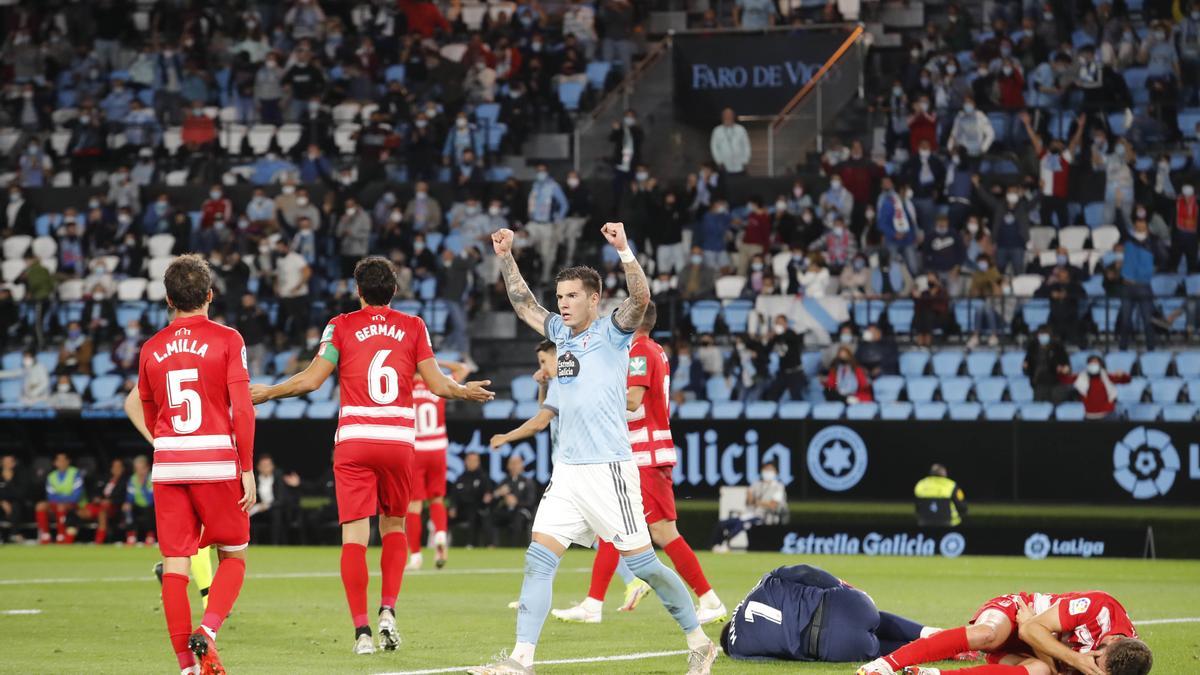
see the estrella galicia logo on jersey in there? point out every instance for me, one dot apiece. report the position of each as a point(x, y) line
point(568, 366)
point(637, 365)
point(837, 458)
point(952, 545)
point(1145, 463)
point(1037, 546)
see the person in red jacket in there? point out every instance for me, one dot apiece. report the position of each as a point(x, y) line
point(860, 175)
point(424, 17)
point(199, 130)
point(1097, 389)
point(216, 207)
point(847, 381)
point(1183, 237)
point(922, 126)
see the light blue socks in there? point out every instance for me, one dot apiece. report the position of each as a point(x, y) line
point(669, 587)
point(537, 590)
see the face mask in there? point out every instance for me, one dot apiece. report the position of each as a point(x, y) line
point(923, 153)
point(924, 81)
point(98, 296)
point(421, 194)
point(1188, 190)
point(289, 189)
point(494, 210)
point(472, 210)
point(972, 227)
point(1006, 51)
point(542, 175)
point(1062, 260)
point(302, 201)
point(845, 338)
point(161, 207)
point(64, 388)
point(28, 362)
point(572, 182)
point(215, 194)
point(951, 69)
point(351, 211)
point(835, 184)
point(780, 206)
point(757, 267)
point(1140, 236)
point(94, 204)
point(421, 124)
point(131, 332)
point(780, 329)
point(86, 119)
point(1012, 198)
point(642, 176)
point(124, 219)
point(73, 333)
point(897, 92)
point(396, 216)
point(461, 123)
point(14, 196)
point(769, 475)
point(983, 266)
point(418, 246)
point(859, 264)
point(916, 54)
point(1043, 339)
point(1160, 35)
point(697, 259)
point(1093, 368)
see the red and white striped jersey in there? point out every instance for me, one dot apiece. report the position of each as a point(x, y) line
point(431, 419)
point(376, 351)
point(1086, 617)
point(186, 369)
point(649, 425)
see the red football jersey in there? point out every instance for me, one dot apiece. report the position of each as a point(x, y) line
point(376, 350)
point(186, 370)
point(431, 419)
point(649, 425)
point(1087, 617)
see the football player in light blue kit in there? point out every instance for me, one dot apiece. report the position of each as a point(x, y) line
point(595, 487)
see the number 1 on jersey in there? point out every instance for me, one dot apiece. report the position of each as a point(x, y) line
point(383, 384)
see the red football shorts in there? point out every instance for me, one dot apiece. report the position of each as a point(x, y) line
point(94, 509)
point(428, 474)
point(372, 478)
point(180, 509)
point(1013, 645)
point(658, 493)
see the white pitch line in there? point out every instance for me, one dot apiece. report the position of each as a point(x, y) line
point(1157, 622)
point(553, 662)
point(281, 575)
point(20, 612)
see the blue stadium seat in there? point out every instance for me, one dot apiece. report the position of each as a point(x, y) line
point(436, 314)
point(1104, 314)
point(1155, 364)
point(1071, 411)
point(888, 388)
point(1135, 80)
point(323, 392)
point(280, 360)
point(412, 307)
point(828, 410)
point(981, 363)
point(1132, 391)
point(1193, 390)
point(693, 410)
point(703, 314)
point(736, 315)
point(794, 410)
point(265, 411)
point(1192, 285)
point(810, 362)
point(597, 74)
point(1187, 120)
point(102, 363)
point(1020, 390)
point(761, 410)
point(727, 410)
point(105, 386)
point(49, 361)
point(128, 311)
point(498, 410)
point(12, 360)
point(1187, 364)
point(955, 389)
point(1120, 362)
point(1094, 286)
point(717, 388)
point(862, 411)
point(1035, 411)
point(1000, 124)
point(900, 315)
point(1142, 412)
point(1166, 389)
point(1035, 312)
point(1000, 412)
point(866, 312)
point(524, 388)
point(1168, 306)
point(1011, 362)
point(80, 382)
point(322, 410)
point(394, 73)
point(965, 412)
point(947, 362)
point(913, 363)
point(487, 114)
point(1179, 412)
point(526, 409)
point(901, 410)
point(569, 94)
point(921, 389)
point(1093, 214)
point(1165, 284)
point(930, 410)
point(290, 409)
point(990, 390)
point(1078, 360)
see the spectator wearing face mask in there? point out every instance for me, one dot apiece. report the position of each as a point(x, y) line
point(943, 253)
point(547, 208)
point(789, 345)
point(896, 221)
point(988, 286)
point(877, 352)
point(922, 126)
point(1142, 253)
point(845, 338)
point(713, 235)
point(836, 200)
point(423, 212)
point(931, 309)
point(972, 133)
point(698, 278)
point(855, 279)
point(925, 174)
point(766, 504)
point(627, 139)
point(354, 233)
point(1183, 235)
point(35, 379)
point(847, 381)
point(1054, 162)
point(730, 144)
point(1010, 226)
point(838, 245)
point(126, 350)
point(1045, 365)
point(1097, 389)
point(755, 235)
point(859, 176)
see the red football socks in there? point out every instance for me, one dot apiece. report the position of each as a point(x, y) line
point(391, 564)
point(936, 647)
point(412, 528)
point(43, 524)
point(685, 562)
point(354, 579)
point(101, 535)
point(437, 513)
point(991, 670)
point(603, 568)
point(61, 524)
point(178, 612)
point(226, 585)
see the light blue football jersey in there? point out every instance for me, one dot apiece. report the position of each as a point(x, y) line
point(551, 404)
point(590, 391)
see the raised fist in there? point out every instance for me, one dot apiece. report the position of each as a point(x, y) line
point(614, 233)
point(502, 241)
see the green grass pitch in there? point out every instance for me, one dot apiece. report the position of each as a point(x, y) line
point(100, 610)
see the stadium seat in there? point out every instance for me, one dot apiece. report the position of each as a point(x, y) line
point(1025, 285)
point(1035, 411)
point(955, 389)
point(597, 74)
point(1192, 285)
point(526, 409)
point(497, 410)
point(828, 410)
point(80, 382)
point(1132, 391)
point(1155, 364)
point(703, 314)
point(1104, 315)
point(912, 364)
point(1071, 411)
point(1035, 312)
point(900, 410)
point(280, 361)
point(569, 94)
point(862, 411)
point(10, 391)
point(1120, 362)
point(1167, 306)
point(1011, 364)
point(1179, 412)
point(1166, 389)
point(524, 388)
point(323, 392)
point(16, 245)
point(930, 410)
point(105, 386)
point(981, 363)
point(1020, 390)
point(736, 315)
point(717, 388)
point(1078, 360)
point(487, 114)
point(810, 362)
point(730, 287)
point(693, 410)
point(947, 362)
point(761, 410)
point(900, 315)
point(102, 363)
point(990, 390)
point(965, 412)
point(1000, 412)
point(1187, 364)
point(888, 388)
point(322, 410)
point(791, 410)
point(290, 409)
point(1142, 412)
point(1074, 237)
point(727, 410)
point(864, 312)
point(921, 389)
point(1165, 284)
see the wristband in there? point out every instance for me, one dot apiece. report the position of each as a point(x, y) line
point(627, 255)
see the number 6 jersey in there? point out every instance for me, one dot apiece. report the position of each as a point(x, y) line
point(185, 372)
point(376, 351)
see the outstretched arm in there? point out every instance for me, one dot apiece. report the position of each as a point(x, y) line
point(304, 382)
point(523, 302)
point(527, 430)
point(445, 387)
point(629, 314)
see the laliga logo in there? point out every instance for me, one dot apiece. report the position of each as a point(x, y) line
point(1037, 546)
point(1145, 463)
point(837, 458)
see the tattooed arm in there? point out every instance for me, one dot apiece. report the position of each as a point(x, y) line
point(629, 314)
point(523, 302)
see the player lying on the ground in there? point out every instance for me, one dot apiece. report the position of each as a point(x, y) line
point(1088, 633)
point(803, 613)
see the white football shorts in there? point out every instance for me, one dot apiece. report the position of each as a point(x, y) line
point(585, 501)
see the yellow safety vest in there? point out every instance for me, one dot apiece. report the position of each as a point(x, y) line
point(940, 488)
